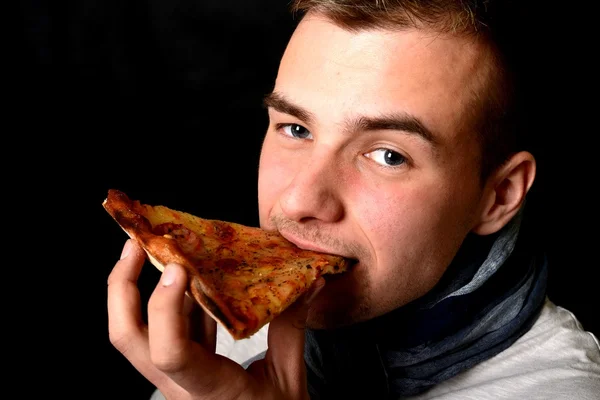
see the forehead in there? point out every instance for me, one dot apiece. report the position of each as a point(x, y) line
point(431, 76)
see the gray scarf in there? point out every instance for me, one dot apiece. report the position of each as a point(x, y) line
point(490, 295)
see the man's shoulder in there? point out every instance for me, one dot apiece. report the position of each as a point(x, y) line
point(555, 359)
point(556, 339)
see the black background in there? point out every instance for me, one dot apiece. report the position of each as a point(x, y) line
point(163, 101)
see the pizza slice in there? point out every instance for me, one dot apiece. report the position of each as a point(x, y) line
point(242, 276)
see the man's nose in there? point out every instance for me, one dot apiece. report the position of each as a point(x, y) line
point(314, 192)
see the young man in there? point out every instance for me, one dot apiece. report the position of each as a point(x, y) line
point(394, 139)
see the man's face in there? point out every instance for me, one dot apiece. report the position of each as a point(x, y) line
point(368, 155)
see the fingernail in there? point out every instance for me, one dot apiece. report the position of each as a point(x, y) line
point(126, 249)
point(169, 275)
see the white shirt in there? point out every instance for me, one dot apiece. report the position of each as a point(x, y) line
point(555, 360)
point(244, 349)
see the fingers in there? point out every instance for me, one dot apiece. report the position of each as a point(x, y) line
point(163, 351)
point(188, 364)
point(125, 323)
point(286, 342)
point(168, 329)
point(127, 331)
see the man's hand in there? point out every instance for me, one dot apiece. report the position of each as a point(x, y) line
point(176, 350)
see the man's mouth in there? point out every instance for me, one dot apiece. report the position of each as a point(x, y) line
point(308, 245)
point(303, 244)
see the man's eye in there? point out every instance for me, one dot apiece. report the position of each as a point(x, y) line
point(297, 131)
point(386, 157)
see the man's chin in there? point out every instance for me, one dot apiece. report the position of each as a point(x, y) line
point(328, 313)
point(341, 302)
point(319, 321)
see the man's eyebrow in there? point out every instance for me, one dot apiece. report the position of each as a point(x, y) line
point(279, 103)
point(393, 122)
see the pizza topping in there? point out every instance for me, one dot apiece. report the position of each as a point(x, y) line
point(191, 244)
point(227, 264)
point(223, 231)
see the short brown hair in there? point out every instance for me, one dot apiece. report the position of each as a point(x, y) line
point(494, 106)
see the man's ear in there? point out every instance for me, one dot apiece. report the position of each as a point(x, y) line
point(505, 192)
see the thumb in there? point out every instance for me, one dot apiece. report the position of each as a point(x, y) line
point(188, 364)
point(286, 342)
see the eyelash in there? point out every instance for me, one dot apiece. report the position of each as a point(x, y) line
point(280, 127)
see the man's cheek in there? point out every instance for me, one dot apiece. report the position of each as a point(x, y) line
point(276, 173)
point(267, 196)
